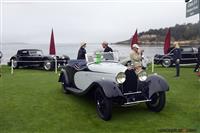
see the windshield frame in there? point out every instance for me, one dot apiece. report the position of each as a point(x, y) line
point(98, 57)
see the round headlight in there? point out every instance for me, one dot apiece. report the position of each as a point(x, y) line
point(142, 76)
point(120, 78)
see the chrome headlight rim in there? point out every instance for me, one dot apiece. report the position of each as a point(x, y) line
point(120, 78)
point(142, 75)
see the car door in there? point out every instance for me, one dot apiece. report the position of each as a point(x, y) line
point(23, 57)
point(187, 55)
point(34, 57)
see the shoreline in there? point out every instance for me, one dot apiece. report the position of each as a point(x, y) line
point(158, 44)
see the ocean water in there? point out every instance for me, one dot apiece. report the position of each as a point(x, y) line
point(71, 50)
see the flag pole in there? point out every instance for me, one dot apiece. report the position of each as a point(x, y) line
point(152, 65)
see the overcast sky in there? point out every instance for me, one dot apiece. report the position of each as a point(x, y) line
point(93, 22)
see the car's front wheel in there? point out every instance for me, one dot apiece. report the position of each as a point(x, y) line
point(157, 102)
point(166, 62)
point(103, 105)
point(47, 65)
point(14, 63)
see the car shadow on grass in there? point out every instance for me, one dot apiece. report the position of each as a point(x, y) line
point(87, 104)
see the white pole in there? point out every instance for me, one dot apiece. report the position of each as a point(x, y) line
point(12, 66)
point(56, 68)
point(152, 65)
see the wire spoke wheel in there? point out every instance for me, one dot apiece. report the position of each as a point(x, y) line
point(157, 102)
point(47, 65)
point(103, 105)
point(15, 63)
point(166, 62)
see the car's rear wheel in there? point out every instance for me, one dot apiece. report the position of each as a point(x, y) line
point(157, 102)
point(166, 62)
point(103, 105)
point(15, 63)
point(47, 65)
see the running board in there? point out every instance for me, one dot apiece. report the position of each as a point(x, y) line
point(132, 93)
point(133, 103)
point(74, 90)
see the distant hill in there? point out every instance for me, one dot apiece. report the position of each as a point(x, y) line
point(185, 33)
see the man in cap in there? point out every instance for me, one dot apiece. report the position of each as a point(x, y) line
point(81, 51)
point(136, 58)
point(106, 47)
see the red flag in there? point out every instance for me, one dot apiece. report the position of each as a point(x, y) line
point(167, 42)
point(52, 50)
point(134, 39)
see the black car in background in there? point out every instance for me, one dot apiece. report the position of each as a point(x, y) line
point(188, 56)
point(35, 58)
point(1, 55)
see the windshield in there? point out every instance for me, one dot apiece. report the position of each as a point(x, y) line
point(98, 57)
point(187, 49)
point(35, 52)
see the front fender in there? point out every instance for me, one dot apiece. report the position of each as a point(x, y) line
point(156, 83)
point(63, 77)
point(109, 88)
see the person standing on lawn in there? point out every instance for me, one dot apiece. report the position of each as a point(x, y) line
point(176, 58)
point(196, 69)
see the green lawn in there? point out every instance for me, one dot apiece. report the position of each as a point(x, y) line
point(32, 101)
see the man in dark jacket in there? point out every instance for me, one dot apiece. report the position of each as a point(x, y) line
point(106, 47)
point(108, 55)
point(198, 61)
point(82, 51)
point(176, 58)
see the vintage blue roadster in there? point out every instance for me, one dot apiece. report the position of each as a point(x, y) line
point(112, 83)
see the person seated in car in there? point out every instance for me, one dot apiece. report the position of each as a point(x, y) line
point(82, 51)
point(106, 47)
point(136, 58)
point(108, 55)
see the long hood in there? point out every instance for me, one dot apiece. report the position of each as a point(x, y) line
point(107, 67)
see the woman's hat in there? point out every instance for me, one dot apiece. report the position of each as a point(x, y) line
point(83, 44)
